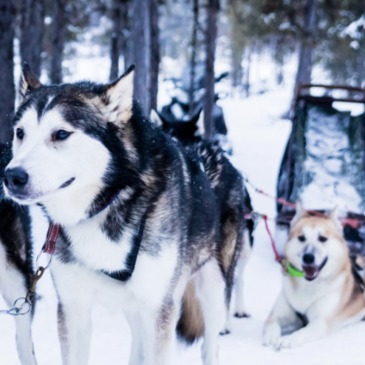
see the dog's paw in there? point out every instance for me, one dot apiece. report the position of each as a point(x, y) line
point(285, 342)
point(272, 334)
point(242, 315)
point(225, 331)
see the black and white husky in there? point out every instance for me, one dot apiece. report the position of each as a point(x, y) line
point(221, 172)
point(16, 267)
point(139, 221)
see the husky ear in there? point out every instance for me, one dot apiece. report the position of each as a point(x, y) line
point(155, 118)
point(299, 214)
point(118, 98)
point(28, 82)
point(334, 215)
point(200, 124)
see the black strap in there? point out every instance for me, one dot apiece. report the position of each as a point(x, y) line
point(124, 275)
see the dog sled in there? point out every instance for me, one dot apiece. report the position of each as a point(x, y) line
point(324, 161)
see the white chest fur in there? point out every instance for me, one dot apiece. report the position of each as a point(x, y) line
point(313, 297)
point(92, 246)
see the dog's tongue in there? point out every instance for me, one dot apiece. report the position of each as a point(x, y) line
point(310, 272)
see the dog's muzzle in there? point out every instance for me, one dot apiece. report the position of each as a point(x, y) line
point(16, 180)
point(310, 269)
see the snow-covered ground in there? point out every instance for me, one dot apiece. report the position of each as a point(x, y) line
point(259, 136)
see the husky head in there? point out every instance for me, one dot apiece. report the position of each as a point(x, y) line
point(186, 131)
point(316, 245)
point(67, 143)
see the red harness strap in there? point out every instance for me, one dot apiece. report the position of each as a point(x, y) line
point(52, 235)
point(278, 258)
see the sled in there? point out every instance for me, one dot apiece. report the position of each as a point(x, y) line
point(323, 165)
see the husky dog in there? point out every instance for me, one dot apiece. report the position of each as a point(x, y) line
point(139, 222)
point(221, 173)
point(186, 131)
point(320, 292)
point(190, 130)
point(16, 269)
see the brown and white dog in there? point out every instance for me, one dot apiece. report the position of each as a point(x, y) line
point(319, 293)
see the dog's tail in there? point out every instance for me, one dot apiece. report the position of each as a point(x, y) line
point(190, 326)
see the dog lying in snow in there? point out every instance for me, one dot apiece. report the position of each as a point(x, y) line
point(319, 293)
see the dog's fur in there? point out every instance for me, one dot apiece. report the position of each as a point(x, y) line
point(328, 297)
point(221, 173)
point(16, 267)
point(140, 223)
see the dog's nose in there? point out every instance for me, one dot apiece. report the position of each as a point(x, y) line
point(308, 258)
point(15, 179)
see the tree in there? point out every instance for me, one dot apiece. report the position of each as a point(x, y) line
point(193, 58)
point(155, 53)
point(7, 13)
point(209, 95)
point(306, 45)
point(115, 48)
point(31, 33)
point(141, 45)
point(342, 48)
point(120, 36)
point(58, 31)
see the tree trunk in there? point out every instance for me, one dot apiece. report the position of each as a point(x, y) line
point(32, 30)
point(279, 61)
point(7, 69)
point(194, 45)
point(141, 41)
point(155, 53)
point(58, 40)
point(247, 84)
point(237, 42)
point(306, 46)
point(115, 39)
point(127, 48)
point(211, 36)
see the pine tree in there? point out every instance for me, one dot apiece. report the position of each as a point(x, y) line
point(213, 7)
point(58, 40)
point(31, 35)
point(7, 14)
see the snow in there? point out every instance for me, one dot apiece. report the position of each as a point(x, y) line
point(259, 134)
point(355, 29)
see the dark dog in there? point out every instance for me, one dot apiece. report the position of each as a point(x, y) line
point(16, 269)
point(226, 182)
point(140, 222)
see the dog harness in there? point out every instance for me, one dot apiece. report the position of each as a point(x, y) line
point(286, 265)
point(54, 231)
point(124, 275)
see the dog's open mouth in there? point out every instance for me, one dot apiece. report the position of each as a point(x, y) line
point(312, 271)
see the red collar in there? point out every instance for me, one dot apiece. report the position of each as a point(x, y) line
point(52, 235)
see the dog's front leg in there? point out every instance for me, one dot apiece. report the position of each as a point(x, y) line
point(282, 314)
point(157, 336)
point(24, 340)
point(74, 330)
point(12, 286)
point(76, 296)
point(312, 332)
point(136, 356)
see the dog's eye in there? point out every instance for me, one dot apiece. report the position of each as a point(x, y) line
point(301, 238)
point(60, 135)
point(19, 133)
point(322, 238)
